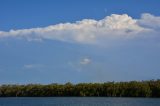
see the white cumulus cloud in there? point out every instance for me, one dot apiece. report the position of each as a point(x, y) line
point(150, 21)
point(90, 31)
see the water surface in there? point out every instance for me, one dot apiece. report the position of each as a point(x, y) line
point(78, 101)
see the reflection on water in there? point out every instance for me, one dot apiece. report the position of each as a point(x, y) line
point(79, 101)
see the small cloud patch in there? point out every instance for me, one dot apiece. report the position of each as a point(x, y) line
point(85, 61)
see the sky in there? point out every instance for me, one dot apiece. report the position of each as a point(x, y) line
point(59, 41)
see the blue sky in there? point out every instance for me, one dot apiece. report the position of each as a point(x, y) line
point(48, 41)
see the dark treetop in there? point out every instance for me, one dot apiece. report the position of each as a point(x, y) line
point(108, 89)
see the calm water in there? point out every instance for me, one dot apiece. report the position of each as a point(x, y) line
point(79, 101)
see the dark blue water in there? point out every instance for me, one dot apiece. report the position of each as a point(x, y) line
point(79, 101)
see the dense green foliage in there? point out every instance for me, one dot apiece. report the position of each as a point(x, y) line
point(109, 89)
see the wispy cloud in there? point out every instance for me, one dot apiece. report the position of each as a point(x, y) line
point(85, 61)
point(81, 64)
point(31, 66)
point(90, 31)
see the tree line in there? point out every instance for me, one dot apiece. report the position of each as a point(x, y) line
point(109, 89)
